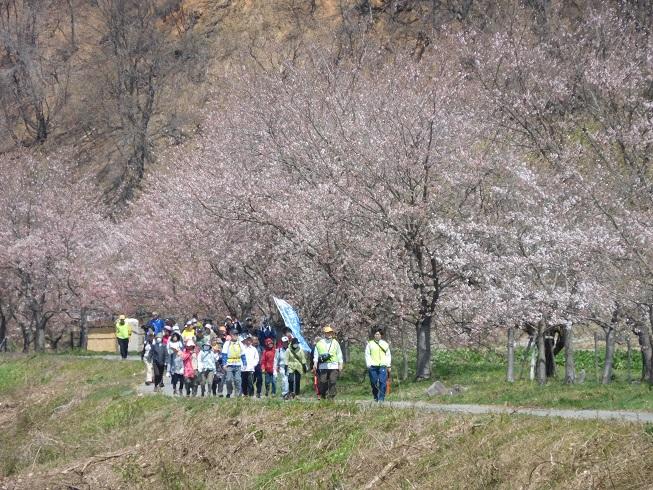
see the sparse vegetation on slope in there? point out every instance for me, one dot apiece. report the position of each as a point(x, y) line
point(70, 422)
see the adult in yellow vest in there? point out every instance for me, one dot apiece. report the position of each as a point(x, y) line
point(188, 333)
point(233, 360)
point(327, 361)
point(378, 361)
point(123, 332)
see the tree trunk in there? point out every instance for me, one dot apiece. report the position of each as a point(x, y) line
point(424, 348)
point(570, 368)
point(3, 324)
point(526, 352)
point(629, 360)
point(644, 337)
point(404, 354)
point(510, 376)
point(83, 329)
point(596, 356)
point(27, 337)
point(345, 350)
point(647, 355)
point(39, 341)
point(71, 12)
point(609, 355)
point(549, 343)
point(541, 354)
point(649, 365)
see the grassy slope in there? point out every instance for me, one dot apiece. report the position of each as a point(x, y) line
point(483, 377)
point(59, 413)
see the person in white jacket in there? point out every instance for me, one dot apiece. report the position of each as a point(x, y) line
point(328, 363)
point(252, 359)
point(378, 361)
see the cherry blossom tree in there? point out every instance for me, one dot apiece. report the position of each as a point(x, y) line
point(49, 224)
point(578, 101)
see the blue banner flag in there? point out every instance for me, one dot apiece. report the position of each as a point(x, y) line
point(291, 320)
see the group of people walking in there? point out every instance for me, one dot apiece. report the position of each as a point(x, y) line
point(237, 359)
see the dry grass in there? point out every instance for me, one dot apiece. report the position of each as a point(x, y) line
point(83, 427)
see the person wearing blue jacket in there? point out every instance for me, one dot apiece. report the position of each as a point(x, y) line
point(266, 332)
point(156, 323)
point(233, 358)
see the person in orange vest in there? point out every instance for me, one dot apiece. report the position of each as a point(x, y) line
point(378, 361)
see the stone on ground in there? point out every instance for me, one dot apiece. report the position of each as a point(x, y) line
point(437, 388)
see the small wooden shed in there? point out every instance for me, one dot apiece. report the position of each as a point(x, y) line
point(102, 337)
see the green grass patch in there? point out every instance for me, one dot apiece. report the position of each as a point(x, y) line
point(481, 373)
point(85, 407)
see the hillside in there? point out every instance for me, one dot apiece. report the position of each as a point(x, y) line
point(120, 94)
point(77, 423)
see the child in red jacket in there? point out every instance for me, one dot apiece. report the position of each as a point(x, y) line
point(269, 367)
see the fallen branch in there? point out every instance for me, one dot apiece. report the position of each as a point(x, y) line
point(384, 472)
point(98, 459)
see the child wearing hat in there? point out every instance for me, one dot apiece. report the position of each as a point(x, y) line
point(206, 367)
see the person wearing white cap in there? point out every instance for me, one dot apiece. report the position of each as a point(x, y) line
point(282, 366)
point(327, 361)
point(188, 332)
point(123, 332)
point(233, 358)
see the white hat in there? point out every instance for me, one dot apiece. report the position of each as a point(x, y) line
point(175, 328)
point(190, 343)
point(189, 323)
point(284, 339)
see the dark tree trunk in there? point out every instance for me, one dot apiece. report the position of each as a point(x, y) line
point(27, 337)
point(510, 376)
point(644, 339)
point(39, 341)
point(525, 358)
point(83, 329)
point(549, 343)
point(345, 350)
point(541, 356)
point(41, 128)
point(570, 367)
point(609, 355)
point(3, 324)
point(404, 354)
point(424, 348)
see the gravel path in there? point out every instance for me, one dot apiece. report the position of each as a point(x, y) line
point(608, 415)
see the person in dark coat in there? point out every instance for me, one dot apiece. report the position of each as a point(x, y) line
point(159, 357)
